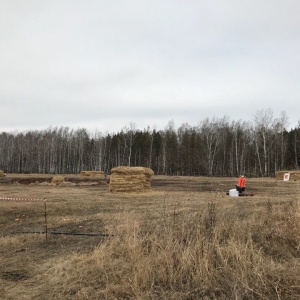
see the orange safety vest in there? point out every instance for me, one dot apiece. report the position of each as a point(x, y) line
point(242, 182)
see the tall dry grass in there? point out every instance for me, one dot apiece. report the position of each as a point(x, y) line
point(209, 254)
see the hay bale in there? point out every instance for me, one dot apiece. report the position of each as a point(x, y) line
point(2, 174)
point(294, 175)
point(148, 174)
point(56, 180)
point(130, 179)
point(128, 170)
point(92, 173)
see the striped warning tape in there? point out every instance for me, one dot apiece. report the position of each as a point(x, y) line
point(21, 199)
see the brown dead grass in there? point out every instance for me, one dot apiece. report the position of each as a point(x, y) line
point(184, 240)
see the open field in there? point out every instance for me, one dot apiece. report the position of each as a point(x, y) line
point(186, 239)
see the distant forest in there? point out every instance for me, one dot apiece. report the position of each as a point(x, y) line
point(215, 147)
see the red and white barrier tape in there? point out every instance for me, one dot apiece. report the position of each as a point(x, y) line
point(21, 199)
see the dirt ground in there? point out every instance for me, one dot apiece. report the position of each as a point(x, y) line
point(77, 218)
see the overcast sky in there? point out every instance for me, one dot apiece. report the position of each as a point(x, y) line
point(102, 64)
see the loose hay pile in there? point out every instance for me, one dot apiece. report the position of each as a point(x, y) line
point(56, 180)
point(294, 175)
point(130, 179)
point(92, 173)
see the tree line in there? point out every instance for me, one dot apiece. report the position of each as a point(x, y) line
point(215, 147)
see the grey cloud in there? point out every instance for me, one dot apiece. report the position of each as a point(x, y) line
point(107, 63)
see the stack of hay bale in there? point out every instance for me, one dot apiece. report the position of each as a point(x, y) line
point(294, 175)
point(2, 174)
point(130, 179)
point(92, 173)
point(148, 175)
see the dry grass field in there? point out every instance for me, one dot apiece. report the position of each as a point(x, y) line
point(186, 239)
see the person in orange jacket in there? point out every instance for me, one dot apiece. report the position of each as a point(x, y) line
point(241, 185)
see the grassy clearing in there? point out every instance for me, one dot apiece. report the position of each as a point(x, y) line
point(185, 240)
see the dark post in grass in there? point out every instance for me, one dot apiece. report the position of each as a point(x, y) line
point(46, 223)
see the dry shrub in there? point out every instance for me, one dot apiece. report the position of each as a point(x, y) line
point(56, 180)
point(294, 175)
point(92, 173)
point(204, 256)
point(130, 179)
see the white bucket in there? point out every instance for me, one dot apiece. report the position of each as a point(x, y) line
point(233, 193)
